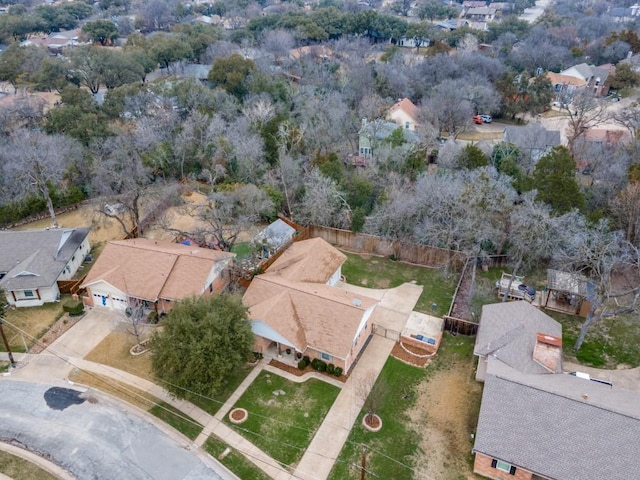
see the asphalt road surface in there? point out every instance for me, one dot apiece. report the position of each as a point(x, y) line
point(90, 437)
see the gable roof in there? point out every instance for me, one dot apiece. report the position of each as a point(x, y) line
point(407, 106)
point(307, 314)
point(312, 260)
point(561, 79)
point(150, 269)
point(533, 136)
point(559, 426)
point(508, 332)
point(36, 258)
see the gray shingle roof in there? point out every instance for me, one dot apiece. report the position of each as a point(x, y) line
point(559, 426)
point(532, 136)
point(508, 331)
point(36, 258)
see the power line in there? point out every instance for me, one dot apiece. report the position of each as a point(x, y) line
point(188, 419)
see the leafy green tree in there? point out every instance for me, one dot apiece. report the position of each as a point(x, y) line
point(103, 31)
point(11, 62)
point(232, 74)
point(420, 33)
point(169, 49)
point(78, 10)
point(120, 69)
point(555, 180)
point(432, 9)
point(54, 74)
point(203, 344)
point(471, 157)
point(625, 77)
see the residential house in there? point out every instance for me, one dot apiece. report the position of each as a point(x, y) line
point(375, 133)
point(537, 422)
point(533, 140)
point(405, 114)
point(452, 24)
point(473, 4)
point(596, 79)
point(57, 41)
point(296, 306)
point(32, 262)
point(508, 331)
point(480, 14)
point(410, 42)
point(154, 274)
point(556, 427)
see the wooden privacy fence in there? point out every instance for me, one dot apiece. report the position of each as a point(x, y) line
point(457, 319)
point(403, 251)
point(70, 286)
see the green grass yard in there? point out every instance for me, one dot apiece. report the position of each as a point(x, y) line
point(283, 425)
point(177, 419)
point(432, 410)
point(380, 272)
point(212, 405)
point(234, 461)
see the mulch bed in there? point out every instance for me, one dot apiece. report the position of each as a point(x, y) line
point(57, 329)
point(399, 353)
point(298, 373)
point(373, 421)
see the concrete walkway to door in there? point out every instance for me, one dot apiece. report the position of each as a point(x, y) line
point(318, 460)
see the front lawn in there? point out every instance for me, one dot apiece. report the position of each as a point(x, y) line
point(282, 425)
point(380, 272)
point(234, 461)
point(18, 468)
point(24, 325)
point(428, 415)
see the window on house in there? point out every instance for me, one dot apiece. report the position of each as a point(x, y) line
point(73, 258)
point(28, 293)
point(211, 288)
point(325, 356)
point(406, 125)
point(504, 466)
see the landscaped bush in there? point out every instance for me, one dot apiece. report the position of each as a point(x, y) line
point(73, 307)
point(338, 371)
point(307, 359)
point(331, 368)
point(153, 317)
point(319, 365)
point(302, 364)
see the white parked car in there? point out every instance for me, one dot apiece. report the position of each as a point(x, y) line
point(486, 118)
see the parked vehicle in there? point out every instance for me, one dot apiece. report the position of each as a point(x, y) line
point(486, 118)
point(477, 119)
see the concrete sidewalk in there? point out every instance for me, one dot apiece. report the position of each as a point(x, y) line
point(392, 312)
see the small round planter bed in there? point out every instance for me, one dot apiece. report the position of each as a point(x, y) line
point(238, 415)
point(373, 423)
point(140, 348)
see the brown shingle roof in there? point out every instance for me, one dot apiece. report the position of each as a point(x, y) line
point(312, 260)
point(406, 106)
point(308, 314)
point(150, 269)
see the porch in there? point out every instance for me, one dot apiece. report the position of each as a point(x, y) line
point(278, 352)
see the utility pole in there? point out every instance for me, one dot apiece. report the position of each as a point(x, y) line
point(6, 344)
point(363, 464)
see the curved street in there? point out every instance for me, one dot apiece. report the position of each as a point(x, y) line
point(90, 436)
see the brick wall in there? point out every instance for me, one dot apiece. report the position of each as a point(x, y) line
point(482, 466)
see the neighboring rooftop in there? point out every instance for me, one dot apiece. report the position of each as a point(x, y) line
point(275, 235)
point(312, 260)
point(150, 269)
point(559, 426)
point(36, 258)
point(508, 331)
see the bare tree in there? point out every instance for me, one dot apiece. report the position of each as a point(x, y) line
point(34, 161)
point(278, 43)
point(625, 208)
point(596, 252)
point(584, 112)
point(323, 203)
point(371, 391)
point(218, 222)
point(629, 118)
point(121, 181)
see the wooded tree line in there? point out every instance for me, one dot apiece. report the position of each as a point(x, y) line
point(271, 134)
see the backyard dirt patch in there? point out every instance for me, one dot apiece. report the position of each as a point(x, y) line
point(102, 229)
point(444, 416)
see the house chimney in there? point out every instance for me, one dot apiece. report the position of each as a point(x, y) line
point(548, 351)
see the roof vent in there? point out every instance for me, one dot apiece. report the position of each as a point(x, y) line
point(357, 302)
point(585, 397)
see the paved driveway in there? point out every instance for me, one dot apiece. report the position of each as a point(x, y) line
point(83, 337)
point(94, 439)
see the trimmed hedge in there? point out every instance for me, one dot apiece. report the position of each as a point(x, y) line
point(73, 307)
point(302, 364)
point(319, 365)
point(338, 371)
